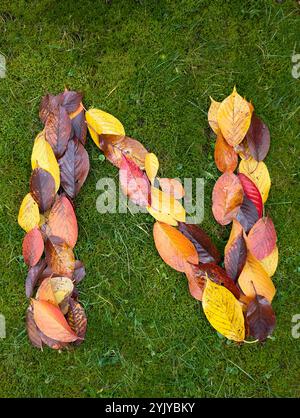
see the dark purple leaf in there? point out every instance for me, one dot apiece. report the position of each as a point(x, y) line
point(33, 276)
point(42, 188)
point(258, 138)
point(261, 318)
point(247, 214)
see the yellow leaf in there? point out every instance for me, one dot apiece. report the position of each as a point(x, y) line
point(223, 311)
point(43, 156)
point(100, 122)
point(234, 118)
point(162, 217)
point(151, 166)
point(212, 115)
point(255, 280)
point(165, 203)
point(29, 215)
point(259, 174)
point(270, 262)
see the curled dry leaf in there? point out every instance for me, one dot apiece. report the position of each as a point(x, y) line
point(261, 318)
point(172, 187)
point(212, 115)
point(234, 117)
point(235, 251)
point(270, 262)
point(166, 204)
point(58, 130)
point(218, 275)
point(173, 247)
point(254, 280)
point(29, 215)
point(33, 276)
point(207, 251)
point(227, 198)
point(59, 256)
point(50, 320)
point(262, 238)
point(252, 192)
point(62, 221)
point(223, 311)
point(43, 156)
point(258, 138)
point(42, 188)
point(247, 214)
point(33, 247)
point(226, 158)
point(115, 147)
point(134, 183)
point(259, 174)
point(100, 122)
point(77, 320)
point(74, 167)
point(151, 166)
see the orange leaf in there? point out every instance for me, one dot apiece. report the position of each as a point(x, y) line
point(33, 247)
point(59, 256)
point(51, 322)
point(173, 247)
point(226, 158)
point(261, 240)
point(212, 115)
point(172, 187)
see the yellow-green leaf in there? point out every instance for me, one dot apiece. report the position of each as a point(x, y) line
point(100, 122)
point(234, 118)
point(29, 215)
point(151, 166)
point(223, 311)
point(259, 174)
point(43, 156)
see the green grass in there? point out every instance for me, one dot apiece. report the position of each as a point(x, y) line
point(153, 65)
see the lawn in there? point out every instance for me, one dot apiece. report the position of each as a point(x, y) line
point(153, 64)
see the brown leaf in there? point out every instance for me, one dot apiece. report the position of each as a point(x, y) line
point(261, 318)
point(258, 138)
point(134, 183)
point(262, 238)
point(226, 158)
point(79, 126)
point(32, 329)
point(59, 256)
point(70, 100)
point(79, 271)
point(48, 104)
point(235, 251)
point(62, 221)
point(58, 130)
point(207, 251)
point(33, 247)
point(33, 276)
point(196, 282)
point(74, 167)
point(227, 198)
point(115, 147)
point(77, 319)
point(42, 188)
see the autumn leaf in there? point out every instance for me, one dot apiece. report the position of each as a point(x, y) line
point(162, 217)
point(42, 188)
point(58, 130)
point(51, 321)
point(235, 251)
point(252, 192)
point(259, 174)
point(262, 238)
point(166, 204)
point(223, 311)
point(115, 147)
point(45, 292)
point(261, 318)
point(33, 247)
point(74, 167)
point(207, 251)
point(32, 329)
point(254, 280)
point(212, 115)
point(56, 290)
point(134, 183)
point(234, 117)
point(33, 276)
point(258, 138)
point(172, 187)
point(151, 166)
point(62, 221)
point(29, 215)
point(79, 272)
point(196, 282)
point(77, 320)
point(70, 100)
point(227, 198)
point(226, 158)
point(270, 262)
point(100, 122)
point(59, 256)
point(43, 157)
point(173, 247)
point(247, 214)
point(79, 125)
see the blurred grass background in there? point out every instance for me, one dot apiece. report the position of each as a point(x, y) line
point(153, 64)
